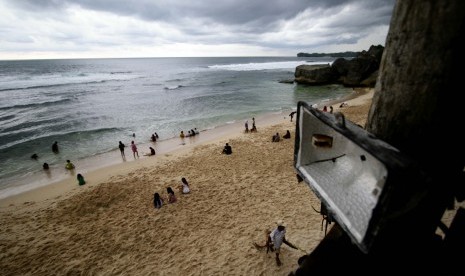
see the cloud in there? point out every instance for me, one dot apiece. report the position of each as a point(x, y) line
point(121, 28)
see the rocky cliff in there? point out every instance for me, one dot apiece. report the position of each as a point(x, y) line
point(359, 71)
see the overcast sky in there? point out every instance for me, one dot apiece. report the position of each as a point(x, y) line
point(32, 29)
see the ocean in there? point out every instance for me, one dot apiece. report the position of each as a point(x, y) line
point(88, 105)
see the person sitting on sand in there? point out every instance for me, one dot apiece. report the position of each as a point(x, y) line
point(227, 149)
point(287, 135)
point(184, 187)
point(171, 197)
point(276, 138)
point(152, 152)
point(80, 179)
point(157, 201)
point(69, 165)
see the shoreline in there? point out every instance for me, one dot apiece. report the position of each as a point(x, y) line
point(110, 227)
point(48, 182)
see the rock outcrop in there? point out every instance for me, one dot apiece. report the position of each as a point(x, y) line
point(359, 71)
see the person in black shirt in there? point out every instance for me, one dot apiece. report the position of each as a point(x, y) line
point(227, 149)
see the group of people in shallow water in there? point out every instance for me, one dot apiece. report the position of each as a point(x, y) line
point(68, 165)
point(135, 152)
point(190, 133)
point(158, 201)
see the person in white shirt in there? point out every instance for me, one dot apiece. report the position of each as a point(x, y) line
point(277, 238)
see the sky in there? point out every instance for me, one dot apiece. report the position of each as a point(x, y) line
point(43, 29)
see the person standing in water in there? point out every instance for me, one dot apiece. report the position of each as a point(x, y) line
point(121, 149)
point(134, 150)
point(55, 147)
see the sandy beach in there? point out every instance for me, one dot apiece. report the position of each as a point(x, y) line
point(110, 227)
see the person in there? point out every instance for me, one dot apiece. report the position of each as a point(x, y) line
point(277, 238)
point(182, 134)
point(34, 156)
point(287, 135)
point(55, 147)
point(154, 138)
point(80, 179)
point(156, 135)
point(292, 114)
point(133, 135)
point(184, 188)
point(171, 197)
point(254, 128)
point(69, 165)
point(45, 166)
point(157, 201)
point(330, 109)
point(343, 105)
point(227, 149)
point(196, 131)
point(276, 137)
point(246, 126)
point(134, 150)
point(152, 152)
point(325, 109)
point(121, 149)
point(192, 132)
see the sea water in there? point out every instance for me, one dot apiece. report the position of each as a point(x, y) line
point(88, 105)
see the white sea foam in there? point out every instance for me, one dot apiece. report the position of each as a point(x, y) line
point(265, 65)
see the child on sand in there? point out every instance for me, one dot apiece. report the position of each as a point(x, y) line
point(80, 179)
point(184, 188)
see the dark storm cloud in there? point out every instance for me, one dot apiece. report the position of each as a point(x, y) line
point(268, 27)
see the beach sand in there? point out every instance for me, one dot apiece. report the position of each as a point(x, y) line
point(110, 227)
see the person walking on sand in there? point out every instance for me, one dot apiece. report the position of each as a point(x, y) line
point(292, 114)
point(246, 126)
point(277, 238)
point(134, 150)
point(121, 149)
